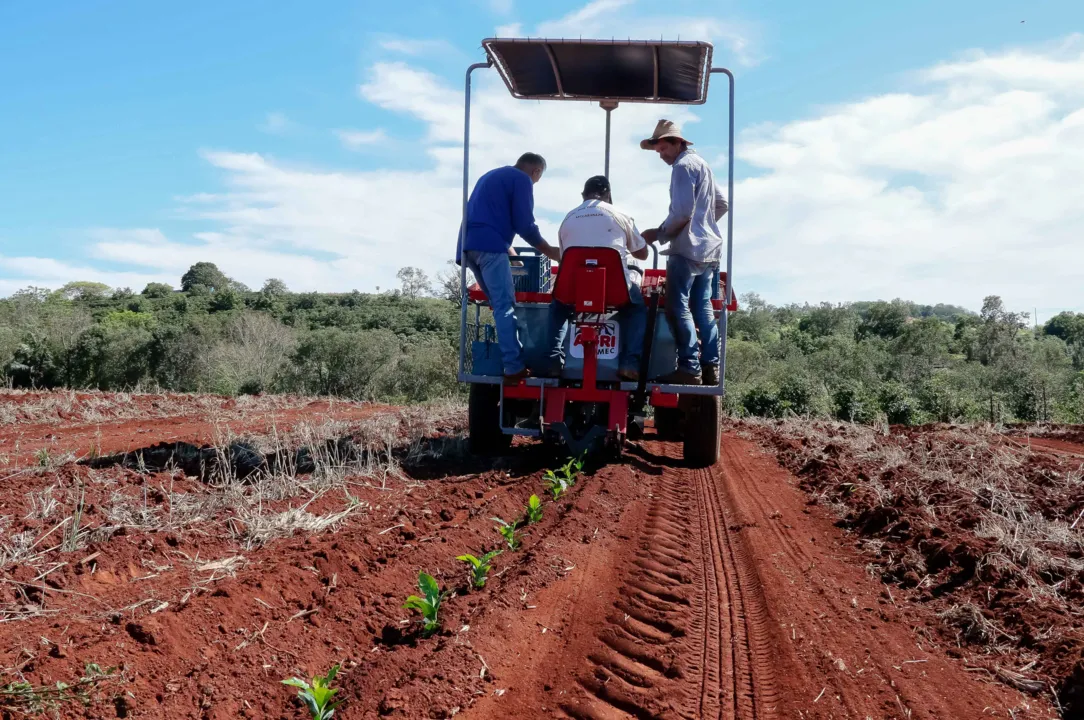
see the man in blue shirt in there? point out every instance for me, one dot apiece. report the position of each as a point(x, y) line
point(696, 246)
point(500, 207)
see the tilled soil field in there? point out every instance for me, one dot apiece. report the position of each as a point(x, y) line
point(753, 589)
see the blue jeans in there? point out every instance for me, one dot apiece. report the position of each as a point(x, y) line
point(632, 319)
point(494, 274)
point(689, 287)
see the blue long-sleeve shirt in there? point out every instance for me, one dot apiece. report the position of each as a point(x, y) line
point(500, 207)
point(696, 205)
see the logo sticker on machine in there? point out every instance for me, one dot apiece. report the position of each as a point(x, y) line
point(609, 341)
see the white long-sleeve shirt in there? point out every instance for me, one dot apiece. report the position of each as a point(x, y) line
point(696, 205)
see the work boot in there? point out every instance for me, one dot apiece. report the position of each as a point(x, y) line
point(517, 377)
point(628, 375)
point(680, 377)
point(711, 374)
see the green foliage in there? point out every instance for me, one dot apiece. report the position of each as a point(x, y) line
point(82, 290)
point(534, 510)
point(854, 403)
point(479, 566)
point(23, 699)
point(509, 532)
point(157, 290)
point(429, 605)
point(558, 481)
point(318, 697)
point(206, 275)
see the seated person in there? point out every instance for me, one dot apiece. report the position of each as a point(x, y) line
point(596, 223)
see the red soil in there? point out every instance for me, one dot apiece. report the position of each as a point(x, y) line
point(649, 591)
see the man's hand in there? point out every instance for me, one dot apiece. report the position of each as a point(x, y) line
point(650, 235)
point(551, 252)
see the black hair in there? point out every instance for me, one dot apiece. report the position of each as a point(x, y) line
point(531, 160)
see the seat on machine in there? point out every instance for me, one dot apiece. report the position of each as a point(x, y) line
point(592, 279)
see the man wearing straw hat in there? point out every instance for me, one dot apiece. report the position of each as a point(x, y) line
point(696, 246)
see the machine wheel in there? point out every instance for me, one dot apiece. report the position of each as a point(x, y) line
point(484, 421)
point(703, 426)
point(668, 423)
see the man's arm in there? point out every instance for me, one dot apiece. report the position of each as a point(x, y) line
point(721, 205)
point(681, 201)
point(634, 240)
point(523, 219)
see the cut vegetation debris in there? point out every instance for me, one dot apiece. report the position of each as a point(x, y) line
point(975, 523)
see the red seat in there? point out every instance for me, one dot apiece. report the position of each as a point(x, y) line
point(591, 279)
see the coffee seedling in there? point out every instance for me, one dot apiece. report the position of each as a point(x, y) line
point(318, 696)
point(508, 532)
point(480, 567)
point(556, 485)
point(429, 606)
point(560, 480)
point(534, 510)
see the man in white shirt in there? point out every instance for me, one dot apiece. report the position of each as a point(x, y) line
point(597, 223)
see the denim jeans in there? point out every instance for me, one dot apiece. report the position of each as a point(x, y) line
point(688, 308)
point(494, 274)
point(632, 319)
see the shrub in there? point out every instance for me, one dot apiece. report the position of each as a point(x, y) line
point(853, 403)
point(899, 406)
point(157, 290)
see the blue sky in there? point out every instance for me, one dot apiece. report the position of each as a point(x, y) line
point(317, 143)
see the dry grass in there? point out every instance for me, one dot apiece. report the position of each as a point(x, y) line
point(88, 406)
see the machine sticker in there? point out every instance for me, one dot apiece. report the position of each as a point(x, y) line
point(609, 341)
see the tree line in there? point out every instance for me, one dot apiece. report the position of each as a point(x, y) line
point(216, 335)
point(896, 362)
point(903, 363)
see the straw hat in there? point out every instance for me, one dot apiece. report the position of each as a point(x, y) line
point(665, 129)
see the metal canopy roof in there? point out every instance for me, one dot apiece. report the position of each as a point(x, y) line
point(623, 70)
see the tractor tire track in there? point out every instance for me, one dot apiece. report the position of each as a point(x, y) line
point(688, 633)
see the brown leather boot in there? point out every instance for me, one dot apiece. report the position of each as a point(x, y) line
point(711, 374)
point(680, 377)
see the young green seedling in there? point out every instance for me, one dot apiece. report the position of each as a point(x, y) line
point(480, 567)
point(534, 510)
point(318, 696)
point(429, 606)
point(554, 484)
point(508, 532)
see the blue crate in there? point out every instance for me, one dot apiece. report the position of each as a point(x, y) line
point(534, 276)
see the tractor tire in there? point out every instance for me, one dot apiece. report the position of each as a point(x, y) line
point(703, 428)
point(484, 421)
point(669, 423)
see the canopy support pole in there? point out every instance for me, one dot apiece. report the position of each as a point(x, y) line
point(463, 223)
point(608, 106)
point(729, 230)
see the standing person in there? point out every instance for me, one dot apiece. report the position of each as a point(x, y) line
point(696, 246)
point(500, 207)
point(597, 223)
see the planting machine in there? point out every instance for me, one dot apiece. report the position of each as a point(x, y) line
point(588, 406)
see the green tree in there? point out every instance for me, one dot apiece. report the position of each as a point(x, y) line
point(415, 283)
point(330, 361)
point(157, 290)
point(83, 290)
point(274, 287)
point(205, 274)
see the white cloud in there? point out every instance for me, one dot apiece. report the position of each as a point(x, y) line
point(501, 7)
point(359, 139)
point(965, 187)
point(510, 30)
point(415, 46)
point(276, 123)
